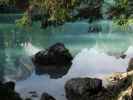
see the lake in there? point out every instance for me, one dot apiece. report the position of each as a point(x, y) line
point(95, 54)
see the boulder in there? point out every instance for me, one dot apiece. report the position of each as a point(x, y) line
point(7, 91)
point(57, 54)
point(10, 85)
point(130, 65)
point(46, 96)
point(82, 88)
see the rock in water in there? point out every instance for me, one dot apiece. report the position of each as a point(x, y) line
point(123, 56)
point(10, 85)
point(130, 65)
point(57, 54)
point(82, 88)
point(46, 96)
point(7, 91)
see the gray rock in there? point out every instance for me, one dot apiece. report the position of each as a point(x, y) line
point(82, 88)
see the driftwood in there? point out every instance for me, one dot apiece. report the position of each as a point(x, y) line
point(120, 85)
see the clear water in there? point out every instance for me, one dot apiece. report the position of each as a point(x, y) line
point(18, 45)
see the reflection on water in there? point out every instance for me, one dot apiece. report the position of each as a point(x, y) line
point(18, 45)
point(53, 71)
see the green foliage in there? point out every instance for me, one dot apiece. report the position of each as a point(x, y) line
point(57, 10)
point(8, 2)
point(24, 21)
point(4, 2)
point(121, 20)
point(121, 7)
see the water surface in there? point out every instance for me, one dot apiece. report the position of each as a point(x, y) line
point(90, 50)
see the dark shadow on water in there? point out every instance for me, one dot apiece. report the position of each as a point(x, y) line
point(2, 56)
point(54, 72)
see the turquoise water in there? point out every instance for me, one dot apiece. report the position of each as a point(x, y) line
point(17, 43)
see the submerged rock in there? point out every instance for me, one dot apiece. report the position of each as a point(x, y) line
point(57, 54)
point(46, 96)
point(130, 65)
point(95, 28)
point(7, 91)
point(82, 88)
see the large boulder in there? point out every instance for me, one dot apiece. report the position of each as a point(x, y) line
point(57, 54)
point(82, 88)
point(7, 91)
point(55, 61)
point(46, 96)
point(130, 65)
